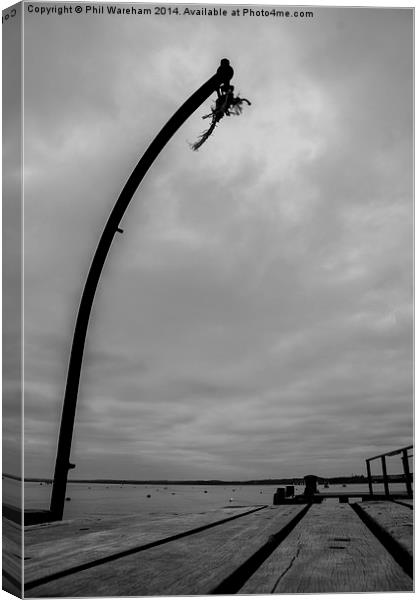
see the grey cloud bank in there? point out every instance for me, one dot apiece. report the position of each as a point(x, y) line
point(255, 319)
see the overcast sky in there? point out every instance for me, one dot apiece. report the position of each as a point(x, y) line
point(255, 318)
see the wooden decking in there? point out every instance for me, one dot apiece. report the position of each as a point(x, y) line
point(328, 547)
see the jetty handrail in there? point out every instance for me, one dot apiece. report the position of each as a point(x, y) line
point(392, 453)
point(406, 468)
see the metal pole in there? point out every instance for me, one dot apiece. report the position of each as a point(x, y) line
point(369, 474)
point(223, 75)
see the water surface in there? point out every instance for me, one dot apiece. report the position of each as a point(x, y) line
point(117, 499)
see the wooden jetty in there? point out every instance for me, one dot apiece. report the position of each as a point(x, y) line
point(302, 548)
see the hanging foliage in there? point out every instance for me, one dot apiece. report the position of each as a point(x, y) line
point(226, 104)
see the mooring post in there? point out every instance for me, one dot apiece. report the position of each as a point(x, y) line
point(280, 495)
point(222, 76)
point(290, 491)
point(310, 485)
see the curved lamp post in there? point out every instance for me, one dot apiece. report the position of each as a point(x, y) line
point(222, 76)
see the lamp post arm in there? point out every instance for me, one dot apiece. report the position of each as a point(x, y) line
point(62, 465)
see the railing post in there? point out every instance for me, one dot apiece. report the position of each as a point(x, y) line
point(385, 475)
point(369, 475)
point(407, 475)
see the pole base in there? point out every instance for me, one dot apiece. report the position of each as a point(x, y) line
point(30, 516)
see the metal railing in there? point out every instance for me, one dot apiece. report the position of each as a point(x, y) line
point(385, 477)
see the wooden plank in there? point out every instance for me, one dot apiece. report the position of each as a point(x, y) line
point(393, 518)
point(406, 502)
point(330, 550)
point(12, 557)
point(61, 529)
point(377, 496)
point(35, 534)
point(68, 529)
point(12, 549)
point(78, 527)
point(195, 564)
point(105, 537)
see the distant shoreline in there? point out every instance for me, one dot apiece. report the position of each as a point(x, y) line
point(284, 481)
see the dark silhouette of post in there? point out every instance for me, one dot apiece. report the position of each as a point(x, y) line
point(369, 476)
point(310, 485)
point(385, 475)
point(407, 474)
point(222, 76)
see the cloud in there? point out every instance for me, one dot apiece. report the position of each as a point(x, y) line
point(255, 318)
